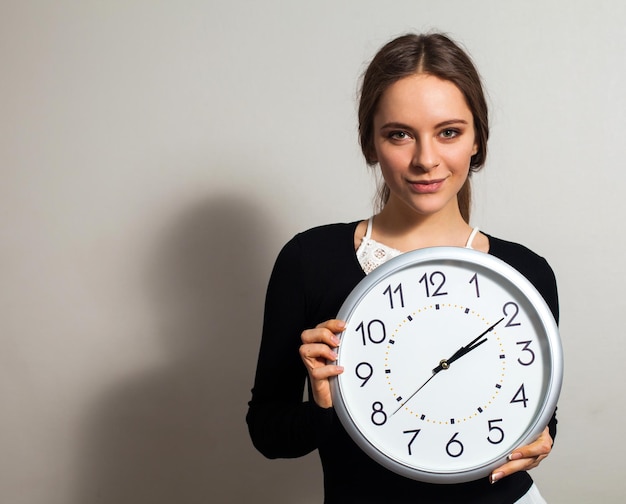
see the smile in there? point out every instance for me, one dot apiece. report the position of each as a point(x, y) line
point(427, 187)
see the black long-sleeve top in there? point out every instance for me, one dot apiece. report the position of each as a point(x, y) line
point(312, 276)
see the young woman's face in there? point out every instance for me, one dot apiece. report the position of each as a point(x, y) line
point(424, 140)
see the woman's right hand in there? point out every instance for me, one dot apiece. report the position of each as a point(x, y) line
point(316, 350)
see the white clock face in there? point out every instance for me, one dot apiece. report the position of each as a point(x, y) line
point(452, 360)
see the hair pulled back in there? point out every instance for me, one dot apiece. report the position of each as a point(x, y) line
point(433, 54)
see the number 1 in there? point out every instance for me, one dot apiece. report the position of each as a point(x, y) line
point(474, 280)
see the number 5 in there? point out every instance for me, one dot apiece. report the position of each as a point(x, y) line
point(500, 433)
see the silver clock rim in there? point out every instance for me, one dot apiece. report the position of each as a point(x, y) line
point(454, 254)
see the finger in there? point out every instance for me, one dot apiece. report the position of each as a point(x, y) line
point(324, 333)
point(333, 325)
point(312, 336)
point(541, 446)
point(525, 464)
point(324, 372)
point(526, 457)
point(316, 354)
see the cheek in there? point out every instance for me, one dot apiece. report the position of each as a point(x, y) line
point(386, 172)
point(390, 172)
point(462, 158)
point(390, 169)
point(393, 159)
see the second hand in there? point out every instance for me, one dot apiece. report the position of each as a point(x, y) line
point(444, 364)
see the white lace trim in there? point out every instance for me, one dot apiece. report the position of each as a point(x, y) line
point(372, 254)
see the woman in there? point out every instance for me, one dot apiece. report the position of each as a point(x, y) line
point(423, 120)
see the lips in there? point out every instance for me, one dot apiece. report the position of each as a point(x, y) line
point(427, 186)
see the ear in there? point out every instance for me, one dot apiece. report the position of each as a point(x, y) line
point(475, 149)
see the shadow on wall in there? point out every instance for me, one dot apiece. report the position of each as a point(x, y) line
point(177, 433)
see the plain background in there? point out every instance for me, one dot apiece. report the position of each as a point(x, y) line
point(155, 155)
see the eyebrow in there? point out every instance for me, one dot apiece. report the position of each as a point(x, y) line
point(442, 124)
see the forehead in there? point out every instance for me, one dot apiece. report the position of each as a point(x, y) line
point(422, 97)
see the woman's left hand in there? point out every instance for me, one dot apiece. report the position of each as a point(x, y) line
point(525, 458)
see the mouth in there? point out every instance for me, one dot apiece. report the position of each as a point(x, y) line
point(426, 186)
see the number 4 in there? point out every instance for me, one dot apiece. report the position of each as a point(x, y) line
point(520, 396)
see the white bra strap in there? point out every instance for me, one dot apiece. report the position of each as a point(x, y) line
point(471, 238)
point(368, 232)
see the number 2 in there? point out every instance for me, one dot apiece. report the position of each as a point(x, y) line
point(510, 323)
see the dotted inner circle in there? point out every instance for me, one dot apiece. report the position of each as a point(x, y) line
point(476, 412)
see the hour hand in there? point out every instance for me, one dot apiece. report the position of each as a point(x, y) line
point(445, 363)
point(475, 343)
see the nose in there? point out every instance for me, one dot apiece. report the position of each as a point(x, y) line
point(425, 155)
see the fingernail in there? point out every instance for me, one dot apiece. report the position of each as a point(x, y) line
point(516, 456)
point(333, 356)
point(335, 340)
point(496, 476)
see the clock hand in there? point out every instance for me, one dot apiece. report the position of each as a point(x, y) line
point(445, 363)
point(475, 343)
point(413, 394)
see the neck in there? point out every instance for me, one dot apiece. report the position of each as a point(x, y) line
point(405, 229)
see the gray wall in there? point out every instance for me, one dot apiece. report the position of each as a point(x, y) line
point(155, 156)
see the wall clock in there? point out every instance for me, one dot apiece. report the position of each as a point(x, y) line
point(452, 360)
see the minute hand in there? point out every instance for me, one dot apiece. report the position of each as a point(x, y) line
point(475, 343)
point(445, 363)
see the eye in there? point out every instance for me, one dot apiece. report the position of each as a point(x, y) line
point(398, 135)
point(449, 133)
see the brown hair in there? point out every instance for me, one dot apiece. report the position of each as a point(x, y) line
point(433, 54)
